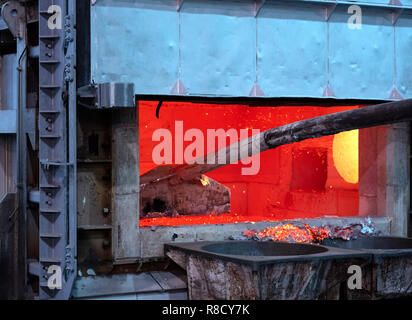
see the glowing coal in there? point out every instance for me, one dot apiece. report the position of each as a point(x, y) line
point(290, 233)
point(303, 233)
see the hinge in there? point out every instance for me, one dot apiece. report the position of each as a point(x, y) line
point(68, 30)
point(69, 69)
point(107, 96)
point(68, 263)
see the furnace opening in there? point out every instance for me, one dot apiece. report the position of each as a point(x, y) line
point(329, 176)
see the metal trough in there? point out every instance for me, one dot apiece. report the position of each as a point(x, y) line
point(372, 243)
point(264, 270)
point(389, 274)
point(262, 249)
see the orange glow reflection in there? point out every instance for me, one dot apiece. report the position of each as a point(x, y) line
point(346, 155)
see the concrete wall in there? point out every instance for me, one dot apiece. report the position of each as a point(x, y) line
point(384, 188)
point(398, 178)
point(126, 186)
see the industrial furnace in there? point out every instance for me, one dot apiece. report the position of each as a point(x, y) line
point(144, 143)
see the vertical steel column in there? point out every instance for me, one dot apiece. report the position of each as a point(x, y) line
point(21, 256)
point(14, 14)
point(126, 186)
point(71, 83)
point(57, 146)
point(398, 177)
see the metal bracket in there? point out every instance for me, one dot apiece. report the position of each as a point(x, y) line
point(13, 14)
point(69, 262)
point(68, 38)
point(258, 6)
point(69, 69)
point(395, 11)
point(179, 5)
point(68, 30)
point(394, 15)
point(395, 95)
point(330, 8)
point(328, 92)
point(179, 88)
point(256, 91)
point(34, 196)
point(107, 96)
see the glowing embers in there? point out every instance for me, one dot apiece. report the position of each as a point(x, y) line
point(204, 180)
point(303, 233)
point(290, 233)
point(346, 155)
point(201, 220)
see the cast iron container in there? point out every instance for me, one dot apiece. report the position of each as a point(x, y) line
point(264, 270)
point(279, 270)
point(389, 275)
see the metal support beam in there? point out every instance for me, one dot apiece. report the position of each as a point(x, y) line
point(57, 147)
point(107, 96)
point(126, 186)
point(21, 269)
point(398, 177)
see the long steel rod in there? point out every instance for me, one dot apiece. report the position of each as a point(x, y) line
point(371, 116)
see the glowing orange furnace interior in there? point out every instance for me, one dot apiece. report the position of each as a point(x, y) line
point(313, 178)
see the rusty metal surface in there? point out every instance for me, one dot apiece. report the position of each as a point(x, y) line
point(94, 191)
point(393, 276)
point(94, 195)
point(125, 185)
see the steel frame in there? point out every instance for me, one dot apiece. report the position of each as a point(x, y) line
point(57, 147)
